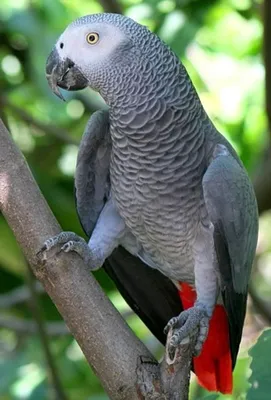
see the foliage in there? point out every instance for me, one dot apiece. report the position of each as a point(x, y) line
point(261, 366)
point(220, 43)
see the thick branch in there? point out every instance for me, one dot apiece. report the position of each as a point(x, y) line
point(170, 378)
point(262, 183)
point(107, 342)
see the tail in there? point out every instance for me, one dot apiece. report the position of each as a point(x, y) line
point(213, 366)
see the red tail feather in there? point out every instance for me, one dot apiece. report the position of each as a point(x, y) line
point(213, 366)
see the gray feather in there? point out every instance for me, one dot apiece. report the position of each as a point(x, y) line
point(232, 208)
point(171, 172)
point(92, 170)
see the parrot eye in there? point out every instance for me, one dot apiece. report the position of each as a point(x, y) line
point(92, 37)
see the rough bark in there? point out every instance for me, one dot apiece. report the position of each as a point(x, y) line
point(107, 342)
point(109, 345)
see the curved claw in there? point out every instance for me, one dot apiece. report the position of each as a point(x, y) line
point(190, 322)
point(61, 238)
point(171, 324)
point(69, 246)
point(69, 241)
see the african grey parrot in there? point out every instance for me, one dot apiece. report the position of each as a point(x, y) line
point(163, 196)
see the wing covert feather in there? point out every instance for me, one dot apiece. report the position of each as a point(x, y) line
point(92, 182)
point(232, 208)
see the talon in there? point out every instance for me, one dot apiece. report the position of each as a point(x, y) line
point(190, 322)
point(174, 341)
point(61, 239)
point(69, 241)
point(41, 252)
point(204, 330)
point(68, 246)
point(170, 324)
point(49, 244)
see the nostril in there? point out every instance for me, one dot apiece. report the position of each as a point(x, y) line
point(61, 45)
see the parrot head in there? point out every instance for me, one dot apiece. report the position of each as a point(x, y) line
point(90, 49)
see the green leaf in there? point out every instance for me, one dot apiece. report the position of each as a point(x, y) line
point(261, 367)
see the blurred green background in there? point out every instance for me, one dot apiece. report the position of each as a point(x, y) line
point(226, 47)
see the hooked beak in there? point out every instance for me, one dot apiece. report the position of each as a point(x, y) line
point(64, 74)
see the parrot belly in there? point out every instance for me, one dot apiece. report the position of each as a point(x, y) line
point(165, 233)
point(156, 185)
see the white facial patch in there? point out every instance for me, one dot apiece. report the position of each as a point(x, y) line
point(73, 44)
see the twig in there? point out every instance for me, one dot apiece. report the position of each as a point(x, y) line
point(111, 6)
point(53, 373)
point(51, 130)
point(18, 295)
point(262, 182)
point(107, 342)
point(26, 327)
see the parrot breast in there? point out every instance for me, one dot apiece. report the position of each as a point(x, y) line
point(157, 127)
point(157, 165)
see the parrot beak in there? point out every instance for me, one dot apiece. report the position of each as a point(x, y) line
point(63, 73)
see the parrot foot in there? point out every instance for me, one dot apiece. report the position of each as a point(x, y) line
point(194, 321)
point(69, 241)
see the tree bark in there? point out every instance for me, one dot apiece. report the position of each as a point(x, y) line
point(109, 345)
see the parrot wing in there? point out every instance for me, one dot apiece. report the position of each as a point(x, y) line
point(232, 208)
point(149, 293)
point(92, 184)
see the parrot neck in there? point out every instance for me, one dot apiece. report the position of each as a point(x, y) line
point(147, 105)
point(152, 100)
point(150, 91)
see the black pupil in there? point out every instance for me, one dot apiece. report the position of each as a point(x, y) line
point(61, 45)
point(92, 38)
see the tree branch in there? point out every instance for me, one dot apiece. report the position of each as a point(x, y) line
point(22, 294)
point(170, 378)
point(18, 295)
point(262, 183)
point(107, 342)
point(109, 345)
